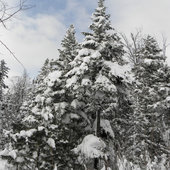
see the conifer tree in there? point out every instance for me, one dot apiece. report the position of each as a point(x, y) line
point(62, 98)
point(42, 133)
point(97, 79)
point(29, 136)
point(84, 106)
point(45, 70)
point(145, 134)
point(69, 48)
point(3, 74)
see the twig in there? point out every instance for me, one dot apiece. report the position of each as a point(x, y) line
point(12, 54)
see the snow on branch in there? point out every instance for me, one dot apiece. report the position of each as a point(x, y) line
point(91, 147)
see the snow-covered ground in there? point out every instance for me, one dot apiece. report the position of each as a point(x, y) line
point(3, 165)
point(123, 165)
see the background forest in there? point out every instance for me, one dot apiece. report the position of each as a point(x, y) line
point(102, 103)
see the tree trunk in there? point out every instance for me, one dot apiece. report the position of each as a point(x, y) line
point(96, 160)
point(37, 161)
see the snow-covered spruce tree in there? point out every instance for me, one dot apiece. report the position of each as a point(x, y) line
point(98, 80)
point(3, 74)
point(13, 99)
point(62, 97)
point(22, 148)
point(69, 48)
point(19, 90)
point(150, 106)
point(163, 105)
point(42, 140)
point(45, 70)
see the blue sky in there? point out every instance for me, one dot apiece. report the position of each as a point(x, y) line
point(53, 6)
point(69, 10)
point(35, 34)
point(47, 6)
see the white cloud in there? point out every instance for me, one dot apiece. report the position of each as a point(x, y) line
point(79, 14)
point(32, 40)
point(151, 15)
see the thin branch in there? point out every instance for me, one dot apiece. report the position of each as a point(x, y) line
point(133, 46)
point(8, 13)
point(12, 54)
point(164, 45)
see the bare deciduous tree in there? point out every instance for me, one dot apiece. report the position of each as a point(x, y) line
point(165, 45)
point(7, 109)
point(133, 46)
point(7, 12)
